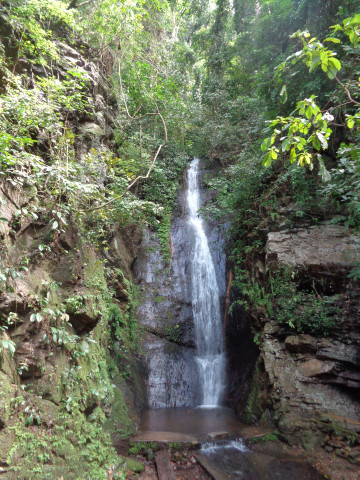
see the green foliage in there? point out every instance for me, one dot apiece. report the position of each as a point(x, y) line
point(236, 187)
point(85, 384)
point(303, 135)
point(282, 299)
point(76, 303)
point(299, 136)
point(37, 115)
point(344, 186)
point(86, 444)
point(68, 94)
point(32, 21)
point(137, 448)
point(43, 119)
point(355, 272)
point(268, 437)
point(315, 54)
point(306, 312)
point(5, 342)
point(196, 80)
point(172, 332)
point(164, 238)
point(117, 320)
point(163, 185)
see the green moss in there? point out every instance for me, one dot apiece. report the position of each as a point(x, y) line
point(95, 283)
point(7, 439)
point(159, 299)
point(133, 465)
point(253, 410)
point(119, 422)
point(137, 448)
point(82, 442)
point(269, 437)
point(164, 237)
point(172, 332)
point(8, 391)
point(79, 434)
point(86, 407)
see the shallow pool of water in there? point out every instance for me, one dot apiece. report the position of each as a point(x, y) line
point(191, 421)
point(232, 457)
point(234, 460)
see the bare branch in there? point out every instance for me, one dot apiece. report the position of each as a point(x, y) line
point(73, 4)
point(133, 117)
point(347, 92)
point(118, 197)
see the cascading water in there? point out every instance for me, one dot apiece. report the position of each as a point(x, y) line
point(205, 301)
point(179, 376)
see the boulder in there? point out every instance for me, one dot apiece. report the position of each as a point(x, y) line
point(338, 351)
point(304, 375)
point(300, 343)
point(324, 251)
point(316, 368)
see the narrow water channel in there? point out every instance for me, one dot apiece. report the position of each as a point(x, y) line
point(205, 298)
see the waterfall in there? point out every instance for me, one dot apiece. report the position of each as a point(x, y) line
point(205, 301)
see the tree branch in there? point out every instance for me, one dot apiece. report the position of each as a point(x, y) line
point(128, 188)
point(73, 4)
point(347, 92)
point(133, 117)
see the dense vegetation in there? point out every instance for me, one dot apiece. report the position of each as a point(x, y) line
point(266, 91)
point(280, 89)
point(93, 139)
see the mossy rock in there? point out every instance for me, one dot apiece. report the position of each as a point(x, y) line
point(7, 393)
point(253, 410)
point(8, 367)
point(7, 438)
point(119, 423)
point(133, 465)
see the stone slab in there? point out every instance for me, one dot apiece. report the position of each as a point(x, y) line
point(164, 468)
point(326, 246)
point(165, 437)
point(212, 471)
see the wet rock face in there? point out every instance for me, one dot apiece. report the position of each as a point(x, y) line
point(165, 311)
point(305, 374)
point(313, 382)
point(242, 354)
point(172, 374)
point(166, 314)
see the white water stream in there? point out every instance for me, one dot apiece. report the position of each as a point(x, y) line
point(205, 302)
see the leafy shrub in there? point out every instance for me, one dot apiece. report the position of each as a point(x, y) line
point(280, 298)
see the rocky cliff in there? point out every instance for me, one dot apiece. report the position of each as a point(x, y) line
point(69, 379)
point(165, 310)
point(303, 307)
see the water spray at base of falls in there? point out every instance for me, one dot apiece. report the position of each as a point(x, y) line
point(205, 301)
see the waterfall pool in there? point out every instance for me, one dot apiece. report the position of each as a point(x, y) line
point(226, 448)
point(197, 421)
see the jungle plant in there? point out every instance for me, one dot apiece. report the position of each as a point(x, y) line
point(309, 132)
point(281, 298)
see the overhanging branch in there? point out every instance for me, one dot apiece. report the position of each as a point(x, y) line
point(118, 197)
